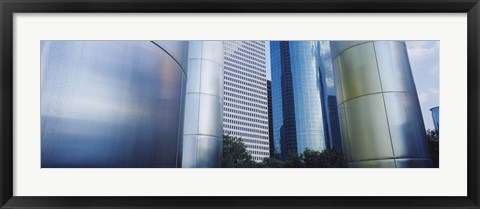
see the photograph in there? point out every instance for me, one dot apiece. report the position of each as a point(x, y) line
point(239, 104)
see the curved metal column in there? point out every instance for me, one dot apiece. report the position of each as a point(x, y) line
point(380, 117)
point(112, 103)
point(202, 139)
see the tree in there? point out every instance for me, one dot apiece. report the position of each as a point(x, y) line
point(312, 159)
point(328, 158)
point(433, 142)
point(272, 163)
point(294, 160)
point(332, 158)
point(235, 153)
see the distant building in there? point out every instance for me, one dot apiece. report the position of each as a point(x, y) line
point(436, 117)
point(270, 119)
point(245, 108)
point(329, 98)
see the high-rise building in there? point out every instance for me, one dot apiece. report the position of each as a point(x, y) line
point(298, 121)
point(380, 117)
point(435, 117)
point(329, 98)
point(245, 109)
point(270, 120)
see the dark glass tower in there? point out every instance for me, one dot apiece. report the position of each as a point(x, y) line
point(296, 97)
point(270, 119)
point(436, 117)
point(329, 99)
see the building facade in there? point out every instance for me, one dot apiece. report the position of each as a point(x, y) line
point(245, 110)
point(380, 117)
point(271, 143)
point(329, 98)
point(436, 117)
point(112, 103)
point(298, 121)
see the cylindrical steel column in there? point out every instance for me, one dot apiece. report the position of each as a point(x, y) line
point(202, 139)
point(380, 117)
point(112, 104)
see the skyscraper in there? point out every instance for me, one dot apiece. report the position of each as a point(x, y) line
point(270, 119)
point(329, 98)
point(245, 109)
point(298, 121)
point(435, 117)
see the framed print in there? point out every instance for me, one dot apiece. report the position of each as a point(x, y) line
point(263, 104)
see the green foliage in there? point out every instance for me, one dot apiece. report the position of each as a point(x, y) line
point(313, 159)
point(272, 163)
point(433, 142)
point(328, 158)
point(235, 153)
point(294, 160)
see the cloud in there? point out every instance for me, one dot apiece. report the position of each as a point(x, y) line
point(427, 95)
point(424, 55)
point(330, 83)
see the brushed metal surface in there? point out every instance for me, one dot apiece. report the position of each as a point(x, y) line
point(204, 107)
point(110, 104)
point(380, 117)
point(358, 71)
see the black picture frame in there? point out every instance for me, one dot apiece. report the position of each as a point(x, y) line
point(9, 7)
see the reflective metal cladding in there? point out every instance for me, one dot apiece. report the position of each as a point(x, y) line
point(112, 103)
point(380, 117)
point(202, 142)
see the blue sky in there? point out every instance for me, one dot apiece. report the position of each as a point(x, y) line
point(424, 61)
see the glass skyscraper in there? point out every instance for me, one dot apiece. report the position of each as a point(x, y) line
point(436, 117)
point(270, 120)
point(298, 121)
point(329, 98)
point(245, 109)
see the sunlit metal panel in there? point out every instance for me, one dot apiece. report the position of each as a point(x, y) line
point(379, 111)
point(202, 147)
